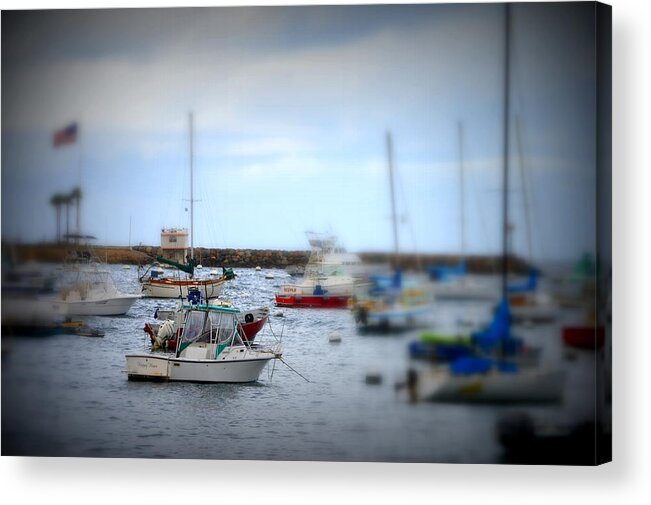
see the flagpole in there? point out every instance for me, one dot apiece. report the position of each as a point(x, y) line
point(80, 170)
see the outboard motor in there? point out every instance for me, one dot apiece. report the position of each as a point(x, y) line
point(194, 296)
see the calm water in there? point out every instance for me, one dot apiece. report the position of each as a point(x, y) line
point(66, 395)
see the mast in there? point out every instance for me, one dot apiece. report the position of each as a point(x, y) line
point(525, 189)
point(505, 171)
point(462, 196)
point(393, 197)
point(191, 194)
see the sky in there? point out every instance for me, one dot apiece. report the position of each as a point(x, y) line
point(291, 109)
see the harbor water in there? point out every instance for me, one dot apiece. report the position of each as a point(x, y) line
point(68, 395)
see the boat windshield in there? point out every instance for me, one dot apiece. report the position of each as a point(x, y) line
point(193, 330)
point(224, 328)
point(213, 327)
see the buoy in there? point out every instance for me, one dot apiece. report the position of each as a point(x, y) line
point(334, 337)
point(373, 377)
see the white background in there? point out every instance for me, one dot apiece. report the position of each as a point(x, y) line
point(626, 480)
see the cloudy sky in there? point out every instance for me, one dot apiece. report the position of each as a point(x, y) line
point(291, 107)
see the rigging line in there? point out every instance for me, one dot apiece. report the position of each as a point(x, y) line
point(293, 370)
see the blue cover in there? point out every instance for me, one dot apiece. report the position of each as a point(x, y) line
point(530, 285)
point(397, 279)
point(498, 331)
point(470, 365)
point(444, 272)
point(440, 352)
point(318, 290)
point(507, 367)
point(194, 296)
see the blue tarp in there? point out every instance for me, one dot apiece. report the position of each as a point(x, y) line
point(470, 365)
point(498, 331)
point(444, 272)
point(318, 290)
point(440, 352)
point(530, 285)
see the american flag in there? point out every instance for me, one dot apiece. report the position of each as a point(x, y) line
point(65, 136)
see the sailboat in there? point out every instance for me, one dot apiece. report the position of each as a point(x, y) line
point(451, 282)
point(391, 305)
point(155, 286)
point(479, 378)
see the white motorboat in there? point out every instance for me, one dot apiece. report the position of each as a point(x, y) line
point(210, 350)
point(92, 292)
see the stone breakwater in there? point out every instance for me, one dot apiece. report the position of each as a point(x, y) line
point(264, 258)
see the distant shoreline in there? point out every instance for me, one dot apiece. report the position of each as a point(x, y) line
point(264, 258)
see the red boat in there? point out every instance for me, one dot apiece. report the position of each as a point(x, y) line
point(313, 301)
point(250, 324)
point(584, 337)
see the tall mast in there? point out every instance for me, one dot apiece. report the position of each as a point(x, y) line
point(505, 172)
point(393, 197)
point(191, 194)
point(462, 196)
point(525, 189)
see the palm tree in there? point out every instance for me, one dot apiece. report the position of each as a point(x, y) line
point(57, 200)
point(67, 200)
point(75, 196)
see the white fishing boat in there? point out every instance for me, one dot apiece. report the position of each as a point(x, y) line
point(210, 350)
point(90, 291)
point(329, 280)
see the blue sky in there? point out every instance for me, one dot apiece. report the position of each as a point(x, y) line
point(291, 106)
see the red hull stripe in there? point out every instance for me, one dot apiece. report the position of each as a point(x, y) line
point(182, 282)
point(314, 301)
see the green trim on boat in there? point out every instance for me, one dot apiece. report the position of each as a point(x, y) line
point(436, 338)
point(203, 306)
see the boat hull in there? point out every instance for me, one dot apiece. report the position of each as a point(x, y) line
point(394, 319)
point(527, 386)
point(217, 371)
point(147, 367)
point(313, 301)
point(109, 307)
point(167, 368)
point(584, 337)
point(177, 288)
